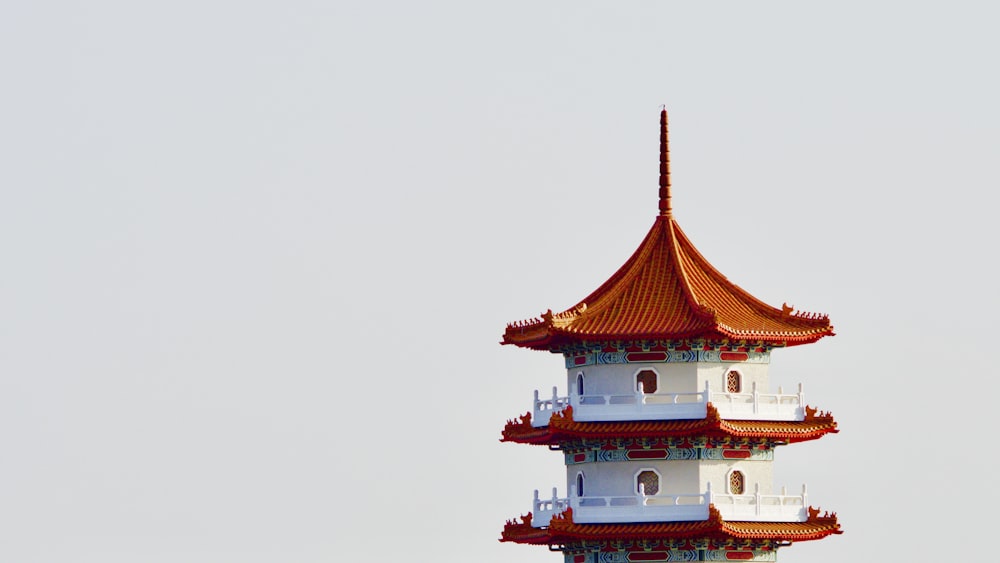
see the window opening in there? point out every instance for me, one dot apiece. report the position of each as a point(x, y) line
point(737, 483)
point(579, 384)
point(647, 379)
point(647, 483)
point(579, 484)
point(733, 383)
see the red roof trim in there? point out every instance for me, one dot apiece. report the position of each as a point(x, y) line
point(562, 530)
point(562, 428)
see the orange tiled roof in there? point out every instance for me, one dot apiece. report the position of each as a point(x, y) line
point(562, 428)
point(562, 530)
point(668, 291)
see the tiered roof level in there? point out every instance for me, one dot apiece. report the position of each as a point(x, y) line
point(668, 428)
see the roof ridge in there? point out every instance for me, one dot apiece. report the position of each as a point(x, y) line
point(611, 288)
point(696, 305)
point(748, 297)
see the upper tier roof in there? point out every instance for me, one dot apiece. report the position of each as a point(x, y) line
point(668, 291)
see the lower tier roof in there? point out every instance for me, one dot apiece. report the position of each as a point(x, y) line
point(562, 428)
point(562, 530)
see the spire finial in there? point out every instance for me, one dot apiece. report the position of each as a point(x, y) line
point(664, 165)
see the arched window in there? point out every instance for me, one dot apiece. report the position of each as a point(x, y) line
point(734, 381)
point(737, 483)
point(647, 482)
point(579, 383)
point(645, 381)
point(579, 484)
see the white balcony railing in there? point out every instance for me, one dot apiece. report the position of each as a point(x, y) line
point(672, 406)
point(625, 509)
point(672, 508)
point(762, 508)
point(543, 408)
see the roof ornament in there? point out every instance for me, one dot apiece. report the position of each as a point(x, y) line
point(665, 208)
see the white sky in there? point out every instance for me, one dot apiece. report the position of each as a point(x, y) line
point(256, 258)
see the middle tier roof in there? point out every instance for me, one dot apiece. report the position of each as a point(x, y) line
point(562, 428)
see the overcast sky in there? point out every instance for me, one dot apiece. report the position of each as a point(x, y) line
point(256, 258)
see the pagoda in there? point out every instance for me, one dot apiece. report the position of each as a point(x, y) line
point(668, 428)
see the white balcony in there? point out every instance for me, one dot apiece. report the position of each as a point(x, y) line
point(762, 508)
point(620, 510)
point(671, 406)
point(672, 508)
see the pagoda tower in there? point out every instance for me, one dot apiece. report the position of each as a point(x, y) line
point(668, 428)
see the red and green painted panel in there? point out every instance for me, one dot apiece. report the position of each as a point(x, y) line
point(633, 454)
point(722, 354)
point(665, 555)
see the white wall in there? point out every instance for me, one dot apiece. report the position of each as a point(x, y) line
point(687, 377)
point(619, 379)
point(617, 478)
point(715, 374)
point(717, 473)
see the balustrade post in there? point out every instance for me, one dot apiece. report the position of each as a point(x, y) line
point(802, 397)
point(555, 398)
point(708, 391)
point(709, 495)
point(534, 407)
point(536, 503)
point(756, 497)
point(804, 502)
